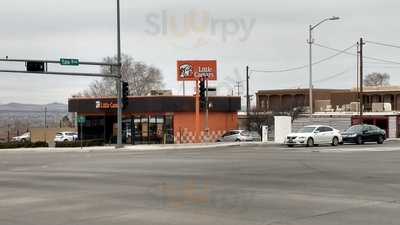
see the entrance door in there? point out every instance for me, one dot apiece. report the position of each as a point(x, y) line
point(127, 131)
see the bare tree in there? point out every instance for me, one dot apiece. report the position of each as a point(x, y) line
point(377, 79)
point(142, 79)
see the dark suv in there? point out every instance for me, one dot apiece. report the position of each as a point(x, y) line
point(360, 134)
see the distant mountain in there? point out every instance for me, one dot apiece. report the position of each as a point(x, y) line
point(19, 107)
point(18, 117)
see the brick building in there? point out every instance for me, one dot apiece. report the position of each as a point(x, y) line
point(381, 106)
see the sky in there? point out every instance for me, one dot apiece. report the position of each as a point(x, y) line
point(263, 34)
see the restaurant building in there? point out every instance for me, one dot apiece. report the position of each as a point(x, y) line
point(154, 119)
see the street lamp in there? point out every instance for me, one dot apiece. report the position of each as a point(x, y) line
point(310, 42)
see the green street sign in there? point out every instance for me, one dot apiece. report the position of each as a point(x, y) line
point(69, 62)
point(81, 119)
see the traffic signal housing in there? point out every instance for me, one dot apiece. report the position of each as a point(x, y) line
point(125, 94)
point(35, 66)
point(202, 91)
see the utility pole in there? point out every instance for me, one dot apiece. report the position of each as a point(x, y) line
point(118, 79)
point(45, 117)
point(248, 91)
point(8, 133)
point(358, 68)
point(310, 42)
point(45, 124)
point(361, 80)
point(238, 86)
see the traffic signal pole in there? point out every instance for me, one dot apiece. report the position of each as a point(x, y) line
point(118, 79)
point(197, 117)
point(206, 129)
point(118, 76)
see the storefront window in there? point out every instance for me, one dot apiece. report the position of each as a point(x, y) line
point(152, 130)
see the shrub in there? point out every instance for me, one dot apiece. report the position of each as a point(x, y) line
point(85, 143)
point(24, 145)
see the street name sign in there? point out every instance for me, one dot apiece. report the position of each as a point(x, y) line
point(69, 62)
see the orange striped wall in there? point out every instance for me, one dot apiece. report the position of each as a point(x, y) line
point(219, 123)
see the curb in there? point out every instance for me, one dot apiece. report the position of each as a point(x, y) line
point(133, 148)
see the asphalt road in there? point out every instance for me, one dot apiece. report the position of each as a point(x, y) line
point(240, 185)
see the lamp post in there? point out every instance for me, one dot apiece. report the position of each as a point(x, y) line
point(310, 42)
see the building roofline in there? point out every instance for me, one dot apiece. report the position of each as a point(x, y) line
point(304, 90)
point(149, 97)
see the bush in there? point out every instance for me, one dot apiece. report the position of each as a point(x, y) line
point(24, 145)
point(39, 144)
point(85, 143)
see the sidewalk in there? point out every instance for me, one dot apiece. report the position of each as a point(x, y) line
point(128, 148)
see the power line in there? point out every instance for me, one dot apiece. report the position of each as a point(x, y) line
point(306, 66)
point(383, 44)
point(365, 57)
point(334, 76)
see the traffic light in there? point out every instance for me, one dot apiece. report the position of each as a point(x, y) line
point(34, 66)
point(125, 94)
point(203, 98)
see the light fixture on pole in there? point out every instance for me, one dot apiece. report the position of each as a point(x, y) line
point(310, 42)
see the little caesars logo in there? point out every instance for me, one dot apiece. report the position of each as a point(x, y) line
point(106, 105)
point(201, 24)
point(186, 71)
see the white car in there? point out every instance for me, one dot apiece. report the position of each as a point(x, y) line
point(240, 136)
point(23, 138)
point(314, 135)
point(66, 137)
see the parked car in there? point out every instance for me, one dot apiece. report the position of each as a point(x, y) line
point(359, 134)
point(26, 137)
point(239, 136)
point(66, 137)
point(314, 135)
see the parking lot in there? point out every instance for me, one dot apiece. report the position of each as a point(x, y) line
point(233, 185)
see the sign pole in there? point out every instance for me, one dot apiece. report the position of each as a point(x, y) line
point(207, 105)
point(197, 135)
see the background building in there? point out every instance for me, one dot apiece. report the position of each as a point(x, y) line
point(338, 107)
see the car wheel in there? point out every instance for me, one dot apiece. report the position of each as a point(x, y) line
point(290, 146)
point(66, 140)
point(380, 140)
point(335, 141)
point(359, 140)
point(23, 140)
point(310, 142)
point(237, 140)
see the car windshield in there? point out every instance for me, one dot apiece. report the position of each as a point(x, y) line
point(59, 134)
point(354, 129)
point(306, 130)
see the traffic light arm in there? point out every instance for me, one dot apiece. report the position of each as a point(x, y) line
point(58, 62)
point(61, 73)
point(45, 71)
